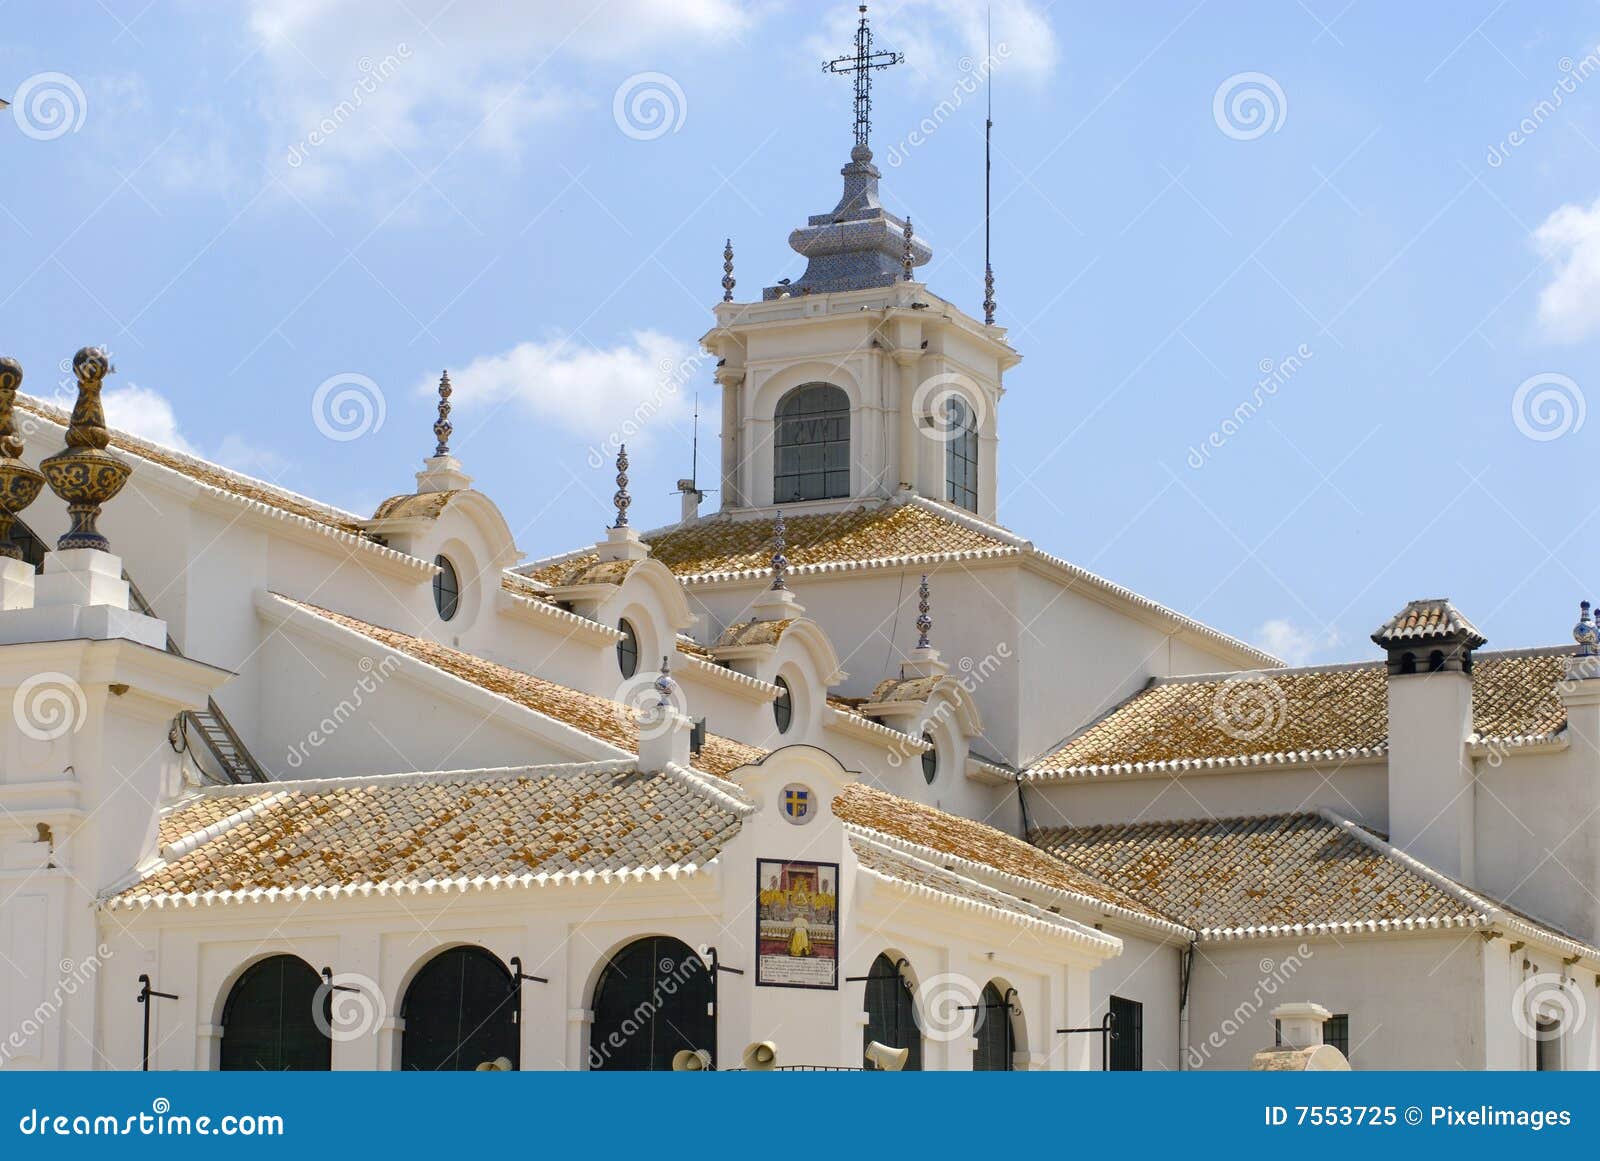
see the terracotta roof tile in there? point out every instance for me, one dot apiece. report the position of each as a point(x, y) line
point(1435, 619)
point(752, 633)
point(415, 505)
point(871, 532)
point(421, 828)
point(976, 842)
point(1253, 872)
point(599, 717)
point(1291, 711)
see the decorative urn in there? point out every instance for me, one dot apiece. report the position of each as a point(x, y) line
point(19, 484)
point(85, 475)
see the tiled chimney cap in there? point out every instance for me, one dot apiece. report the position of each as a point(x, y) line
point(1430, 621)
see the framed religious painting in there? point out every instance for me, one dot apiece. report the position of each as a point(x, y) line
point(797, 924)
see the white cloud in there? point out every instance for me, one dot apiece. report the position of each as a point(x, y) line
point(382, 83)
point(623, 393)
point(1569, 305)
point(147, 414)
point(1297, 646)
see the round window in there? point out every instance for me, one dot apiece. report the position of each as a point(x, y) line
point(930, 761)
point(628, 649)
point(783, 706)
point(446, 588)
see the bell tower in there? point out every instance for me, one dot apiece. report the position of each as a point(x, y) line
point(854, 381)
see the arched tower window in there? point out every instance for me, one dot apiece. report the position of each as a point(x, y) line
point(627, 649)
point(892, 1012)
point(995, 1032)
point(269, 1023)
point(652, 1002)
point(812, 457)
point(460, 1012)
point(961, 454)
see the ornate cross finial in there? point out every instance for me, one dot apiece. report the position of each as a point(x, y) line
point(664, 686)
point(1585, 633)
point(905, 255)
point(780, 562)
point(862, 63)
point(924, 622)
point(622, 500)
point(988, 295)
point(727, 271)
point(441, 426)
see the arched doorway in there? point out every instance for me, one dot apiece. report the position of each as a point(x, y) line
point(460, 1012)
point(892, 1011)
point(653, 1000)
point(995, 1030)
point(269, 1023)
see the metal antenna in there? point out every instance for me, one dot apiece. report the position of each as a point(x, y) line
point(988, 166)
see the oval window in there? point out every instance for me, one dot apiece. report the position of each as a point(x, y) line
point(627, 649)
point(930, 761)
point(783, 706)
point(446, 588)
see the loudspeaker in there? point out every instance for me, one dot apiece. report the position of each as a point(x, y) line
point(762, 1056)
point(691, 1060)
point(886, 1058)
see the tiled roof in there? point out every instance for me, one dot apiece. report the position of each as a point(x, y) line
point(1435, 619)
point(973, 842)
point(905, 531)
point(599, 717)
point(458, 827)
point(588, 569)
point(1264, 871)
point(211, 474)
point(878, 532)
point(1337, 710)
point(1265, 874)
point(752, 633)
point(893, 689)
point(415, 506)
point(949, 887)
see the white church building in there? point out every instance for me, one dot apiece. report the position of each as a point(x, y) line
point(846, 762)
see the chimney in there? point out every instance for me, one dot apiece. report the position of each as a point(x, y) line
point(1429, 647)
point(1301, 1025)
point(691, 501)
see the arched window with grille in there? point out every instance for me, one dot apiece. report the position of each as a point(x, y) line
point(269, 1023)
point(446, 588)
point(961, 454)
point(812, 447)
point(460, 1011)
point(653, 1000)
point(783, 705)
point(892, 1011)
point(995, 1032)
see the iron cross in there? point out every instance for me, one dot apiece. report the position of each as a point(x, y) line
point(862, 63)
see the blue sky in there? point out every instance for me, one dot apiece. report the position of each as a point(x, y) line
point(1370, 199)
